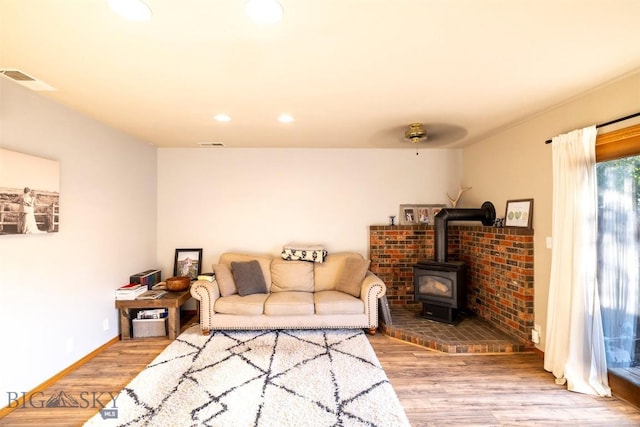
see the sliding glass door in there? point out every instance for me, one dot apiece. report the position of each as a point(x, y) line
point(619, 264)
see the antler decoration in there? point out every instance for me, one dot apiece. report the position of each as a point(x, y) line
point(461, 189)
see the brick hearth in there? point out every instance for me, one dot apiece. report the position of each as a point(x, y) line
point(499, 285)
point(471, 335)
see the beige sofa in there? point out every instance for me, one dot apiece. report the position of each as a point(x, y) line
point(338, 293)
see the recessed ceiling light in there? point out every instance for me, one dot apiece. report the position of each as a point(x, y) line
point(133, 10)
point(264, 11)
point(285, 118)
point(222, 118)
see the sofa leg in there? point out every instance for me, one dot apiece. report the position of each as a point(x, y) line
point(205, 332)
point(372, 331)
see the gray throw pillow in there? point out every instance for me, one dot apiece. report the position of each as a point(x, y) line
point(248, 277)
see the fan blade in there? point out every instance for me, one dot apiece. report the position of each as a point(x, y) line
point(441, 134)
point(438, 135)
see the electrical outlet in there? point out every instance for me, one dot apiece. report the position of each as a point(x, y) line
point(105, 324)
point(535, 336)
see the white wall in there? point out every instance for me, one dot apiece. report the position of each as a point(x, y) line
point(57, 288)
point(259, 199)
point(516, 163)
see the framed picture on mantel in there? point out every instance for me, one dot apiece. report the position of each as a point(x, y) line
point(419, 214)
point(426, 213)
point(407, 214)
point(519, 213)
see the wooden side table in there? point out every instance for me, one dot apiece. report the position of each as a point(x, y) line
point(172, 301)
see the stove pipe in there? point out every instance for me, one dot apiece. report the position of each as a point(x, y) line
point(486, 214)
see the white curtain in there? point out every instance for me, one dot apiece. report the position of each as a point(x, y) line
point(574, 350)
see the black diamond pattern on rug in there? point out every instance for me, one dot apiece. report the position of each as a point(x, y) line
point(262, 378)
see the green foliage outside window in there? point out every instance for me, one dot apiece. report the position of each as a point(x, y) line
point(615, 174)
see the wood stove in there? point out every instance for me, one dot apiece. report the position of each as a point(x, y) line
point(441, 288)
point(440, 285)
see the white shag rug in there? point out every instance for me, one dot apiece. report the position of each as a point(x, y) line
point(259, 378)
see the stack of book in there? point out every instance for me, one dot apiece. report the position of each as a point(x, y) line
point(207, 276)
point(153, 294)
point(148, 278)
point(130, 291)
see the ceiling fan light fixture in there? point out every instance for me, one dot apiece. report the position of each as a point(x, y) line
point(415, 133)
point(264, 11)
point(133, 10)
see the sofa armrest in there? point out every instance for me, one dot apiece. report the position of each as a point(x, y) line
point(372, 289)
point(207, 293)
point(369, 285)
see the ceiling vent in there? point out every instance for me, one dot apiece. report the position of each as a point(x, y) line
point(211, 144)
point(26, 80)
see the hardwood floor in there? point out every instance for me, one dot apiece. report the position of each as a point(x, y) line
point(109, 371)
point(436, 389)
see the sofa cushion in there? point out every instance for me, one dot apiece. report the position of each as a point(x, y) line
point(326, 274)
point(350, 277)
point(226, 284)
point(336, 302)
point(248, 277)
point(265, 263)
point(291, 276)
point(289, 304)
point(251, 305)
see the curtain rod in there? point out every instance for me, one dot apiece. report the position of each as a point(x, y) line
point(621, 119)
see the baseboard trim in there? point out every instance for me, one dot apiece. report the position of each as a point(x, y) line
point(624, 387)
point(7, 410)
point(537, 351)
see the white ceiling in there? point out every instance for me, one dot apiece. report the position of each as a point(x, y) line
point(353, 73)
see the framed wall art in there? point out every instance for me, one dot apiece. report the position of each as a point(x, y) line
point(29, 194)
point(519, 213)
point(188, 262)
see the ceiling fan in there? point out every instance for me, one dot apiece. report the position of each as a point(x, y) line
point(438, 134)
point(431, 134)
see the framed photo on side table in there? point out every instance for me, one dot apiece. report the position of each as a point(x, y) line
point(519, 213)
point(188, 262)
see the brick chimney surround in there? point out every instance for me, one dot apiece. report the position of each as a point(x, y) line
point(500, 269)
